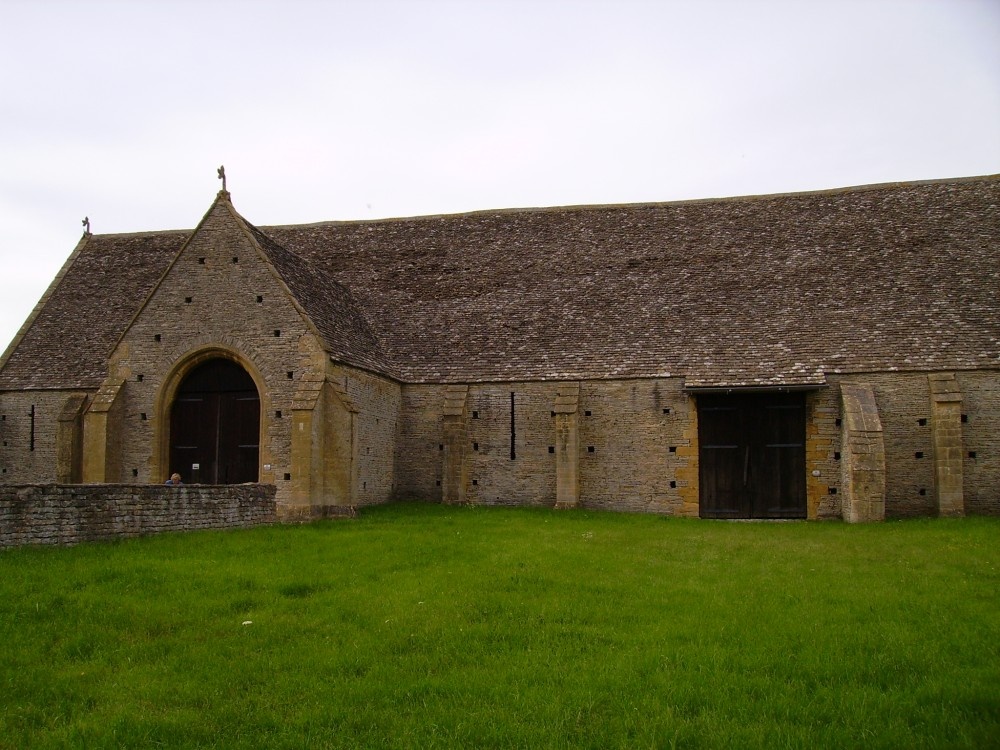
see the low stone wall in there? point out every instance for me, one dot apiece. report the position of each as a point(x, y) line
point(73, 513)
point(309, 513)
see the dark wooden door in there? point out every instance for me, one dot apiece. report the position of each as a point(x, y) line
point(215, 425)
point(752, 455)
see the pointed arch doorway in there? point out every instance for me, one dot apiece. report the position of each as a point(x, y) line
point(215, 425)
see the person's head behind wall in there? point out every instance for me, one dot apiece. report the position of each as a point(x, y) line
point(175, 478)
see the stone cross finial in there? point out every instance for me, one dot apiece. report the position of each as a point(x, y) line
point(86, 226)
point(222, 176)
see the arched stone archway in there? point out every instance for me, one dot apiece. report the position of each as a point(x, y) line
point(214, 424)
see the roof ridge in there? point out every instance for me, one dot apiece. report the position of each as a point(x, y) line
point(844, 190)
point(146, 233)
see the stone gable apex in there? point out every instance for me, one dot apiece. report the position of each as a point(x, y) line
point(325, 306)
point(221, 206)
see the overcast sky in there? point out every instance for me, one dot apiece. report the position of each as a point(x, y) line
point(358, 109)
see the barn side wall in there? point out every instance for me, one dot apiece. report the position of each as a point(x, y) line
point(636, 441)
point(980, 422)
point(638, 445)
point(37, 436)
point(377, 425)
point(420, 448)
point(904, 405)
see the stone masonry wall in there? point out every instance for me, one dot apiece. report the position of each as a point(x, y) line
point(638, 444)
point(631, 467)
point(634, 442)
point(219, 292)
point(69, 514)
point(980, 423)
point(946, 437)
point(634, 445)
point(495, 478)
point(863, 455)
point(378, 401)
point(20, 462)
point(420, 447)
point(904, 408)
point(824, 490)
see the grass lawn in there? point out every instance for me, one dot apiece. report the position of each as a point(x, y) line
point(427, 626)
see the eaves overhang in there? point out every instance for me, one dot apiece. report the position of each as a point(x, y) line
point(726, 390)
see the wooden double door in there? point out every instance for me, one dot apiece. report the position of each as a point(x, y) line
point(752, 455)
point(215, 425)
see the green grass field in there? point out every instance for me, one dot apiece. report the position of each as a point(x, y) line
point(426, 626)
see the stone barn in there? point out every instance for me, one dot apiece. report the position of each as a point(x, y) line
point(817, 355)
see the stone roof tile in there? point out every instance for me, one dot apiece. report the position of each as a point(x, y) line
point(759, 290)
point(339, 319)
point(765, 290)
point(68, 338)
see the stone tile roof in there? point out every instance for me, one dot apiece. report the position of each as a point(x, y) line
point(329, 305)
point(741, 291)
point(66, 341)
point(749, 291)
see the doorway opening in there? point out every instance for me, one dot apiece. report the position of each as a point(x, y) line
point(752, 456)
point(215, 425)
